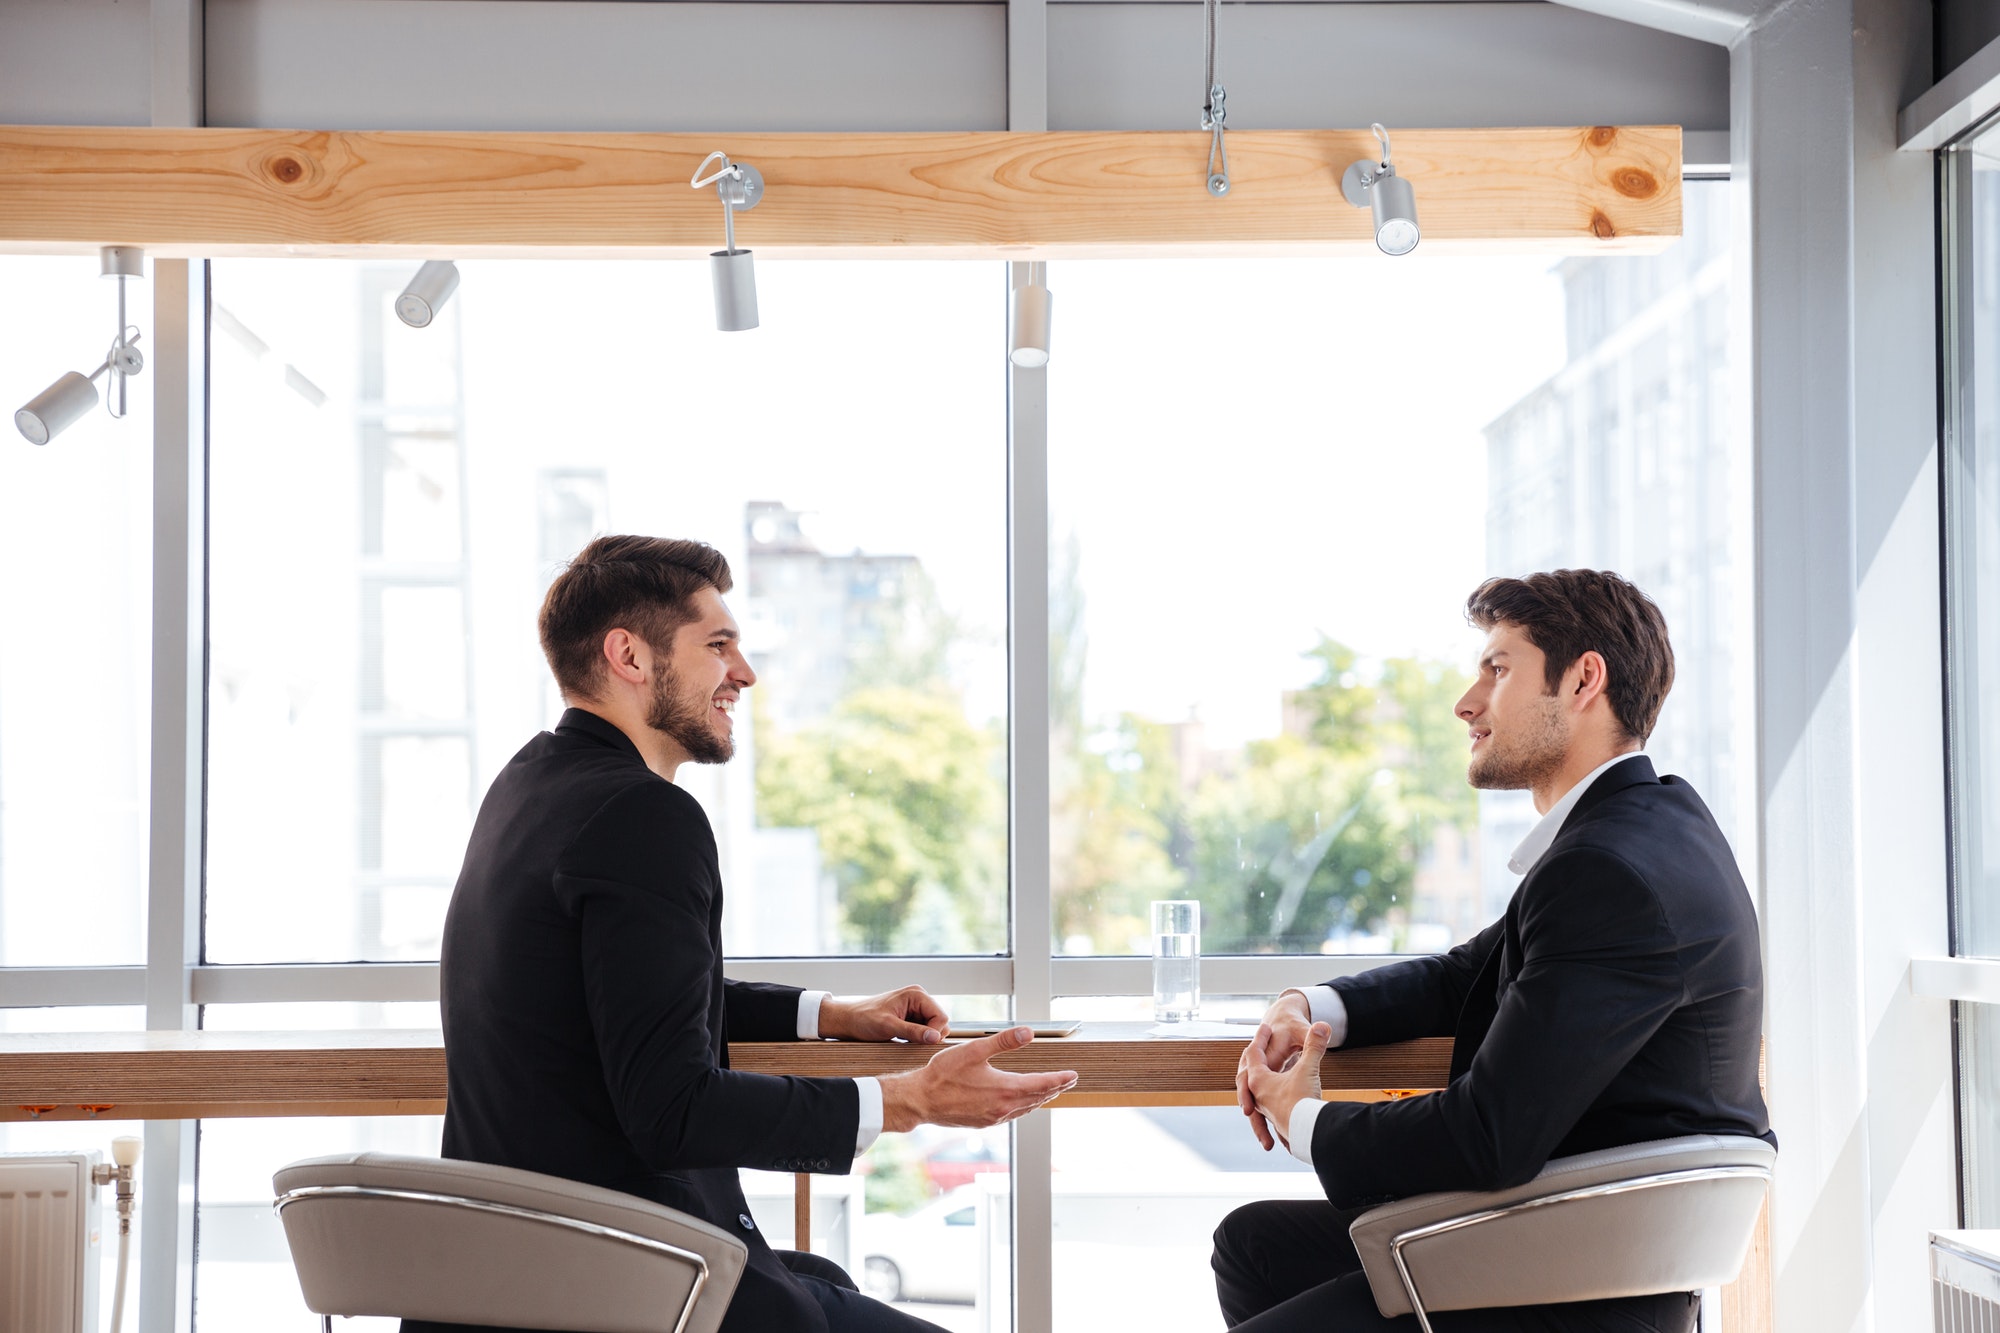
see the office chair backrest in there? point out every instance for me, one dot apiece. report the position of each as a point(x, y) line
point(466, 1243)
point(1670, 1215)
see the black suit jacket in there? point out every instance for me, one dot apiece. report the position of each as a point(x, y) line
point(586, 1018)
point(1619, 1000)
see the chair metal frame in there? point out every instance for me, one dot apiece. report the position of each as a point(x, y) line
point(507, 1210)
point(1428, 1230)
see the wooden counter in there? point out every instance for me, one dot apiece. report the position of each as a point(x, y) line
point(199, 1075)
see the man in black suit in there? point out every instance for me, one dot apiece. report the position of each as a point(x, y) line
point(586, 1017)
point(1619, 999)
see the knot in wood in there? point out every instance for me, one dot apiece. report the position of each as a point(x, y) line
point(288, 170)
point(1602, 136)
point(1600, 226)
point(1634, 183)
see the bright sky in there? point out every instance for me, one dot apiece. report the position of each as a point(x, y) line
point(1248, 451)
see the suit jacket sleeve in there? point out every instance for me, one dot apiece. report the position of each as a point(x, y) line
point(1420, 997)
point(760, 1011)
point(1599, 974)
point(642, 893)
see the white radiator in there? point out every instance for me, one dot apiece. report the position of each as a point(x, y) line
point(50, 1238)
point(1965, 1281)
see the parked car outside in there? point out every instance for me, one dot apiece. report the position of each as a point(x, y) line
point(959, 1159)
point(931, 1254)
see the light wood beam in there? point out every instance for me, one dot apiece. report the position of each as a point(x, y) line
point(223, 192)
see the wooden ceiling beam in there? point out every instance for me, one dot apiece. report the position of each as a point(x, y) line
point(221, 192)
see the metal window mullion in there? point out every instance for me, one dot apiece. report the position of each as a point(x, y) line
point(178, 733)
point(1028, 808)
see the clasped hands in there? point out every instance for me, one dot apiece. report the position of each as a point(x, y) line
point(959, 1086)
point(1280, 1068)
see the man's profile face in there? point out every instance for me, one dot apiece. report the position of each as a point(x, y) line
point(1520, 733)
point(697, 685)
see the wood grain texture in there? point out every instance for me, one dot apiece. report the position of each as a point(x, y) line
point(175, 1075)
point(196, 192)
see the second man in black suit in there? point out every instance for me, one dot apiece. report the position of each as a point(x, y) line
point(1619, 999)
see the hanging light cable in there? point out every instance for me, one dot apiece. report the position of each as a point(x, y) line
point(740, 186)
point(1213, 113)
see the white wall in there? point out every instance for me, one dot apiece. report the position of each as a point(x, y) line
point(821, 65)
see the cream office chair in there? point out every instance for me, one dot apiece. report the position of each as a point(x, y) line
point(1671, 1215)
point(466, 1243)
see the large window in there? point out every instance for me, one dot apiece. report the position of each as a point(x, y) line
point(76, 654)
point(390, 504)
point(1271, 486)
point(1971, 467)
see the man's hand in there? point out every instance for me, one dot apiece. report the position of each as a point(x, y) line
point(1280, 1038)
point(1275, 1092)
point(908, 1013)
point(958, 1087)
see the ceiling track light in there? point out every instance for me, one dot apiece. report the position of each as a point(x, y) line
point(1029, 322)
point(740, 186)
point(420, 302)
point(1375, 185)
point(61, 405)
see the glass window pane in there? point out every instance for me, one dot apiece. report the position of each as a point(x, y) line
point(76, 546)
point(1979, 1112)
point(1972, 487)
point(1273, 485)
point(424, 487)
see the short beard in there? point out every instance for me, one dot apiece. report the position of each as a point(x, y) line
point(685, 721)
point(1527, 761)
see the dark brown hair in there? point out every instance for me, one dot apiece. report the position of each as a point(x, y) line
point(642, 584)
point(1570, 612)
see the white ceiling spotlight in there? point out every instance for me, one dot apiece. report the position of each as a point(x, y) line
point(428, 291)
point(1028, 333)
point(1370, 184)
point(741, 186)
point(58, 407)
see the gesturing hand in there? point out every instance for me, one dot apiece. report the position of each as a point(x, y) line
point(1274, 1092)
point(959, 1087)
point(1280, 1038)
point(909, 1013)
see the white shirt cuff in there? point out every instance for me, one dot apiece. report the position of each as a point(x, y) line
point(1305, 1116)
point(809, 1003)
point(1328, 1008)
point(870, 1127)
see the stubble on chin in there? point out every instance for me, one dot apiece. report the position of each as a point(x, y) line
point(685, 721)
point(1526, 761)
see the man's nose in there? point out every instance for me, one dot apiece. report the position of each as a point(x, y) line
point(1467, 709)
point(742, 674)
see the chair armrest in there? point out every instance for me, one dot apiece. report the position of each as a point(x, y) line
point(1671, 1215)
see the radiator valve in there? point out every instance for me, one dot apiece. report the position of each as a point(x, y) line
point(124, 1157)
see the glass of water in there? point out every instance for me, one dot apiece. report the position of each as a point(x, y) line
point(1176, 961)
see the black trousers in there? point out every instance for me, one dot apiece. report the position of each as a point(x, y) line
point(1288, 1266)
point(846, 1309)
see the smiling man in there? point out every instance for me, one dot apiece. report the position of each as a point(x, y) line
point(1618, 1000)
point(586, 1017)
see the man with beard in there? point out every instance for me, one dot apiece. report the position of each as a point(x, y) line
point(586, 1017)
point(1619, 999)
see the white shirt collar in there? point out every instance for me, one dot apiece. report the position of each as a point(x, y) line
point(1542, 834)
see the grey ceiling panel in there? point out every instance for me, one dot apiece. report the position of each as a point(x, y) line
point(1415, 65)
point(76, 62)
point(535, 65)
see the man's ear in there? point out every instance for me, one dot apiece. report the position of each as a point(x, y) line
point(1586, 680)
point(626, 657)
